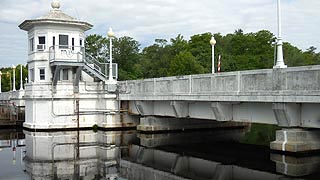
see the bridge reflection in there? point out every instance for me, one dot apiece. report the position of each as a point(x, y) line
point(205, 156)
point(212, 154)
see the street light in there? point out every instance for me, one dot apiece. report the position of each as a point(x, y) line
point(14, 78)
point(110, 35)
point(213, 42)
point(280, 61)
point(0, 80)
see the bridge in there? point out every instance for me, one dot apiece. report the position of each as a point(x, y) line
point(287, 97)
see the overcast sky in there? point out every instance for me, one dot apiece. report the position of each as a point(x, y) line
point(146, 20)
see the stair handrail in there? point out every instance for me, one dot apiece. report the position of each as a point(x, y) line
point(97, 66)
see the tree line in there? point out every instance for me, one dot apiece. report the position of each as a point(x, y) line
point(178, 56)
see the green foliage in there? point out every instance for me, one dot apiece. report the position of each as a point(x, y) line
point(185, 63)
point(96, 47)
point(260, 134)
point(7, 77)
point(200, 48)
point(238, 50)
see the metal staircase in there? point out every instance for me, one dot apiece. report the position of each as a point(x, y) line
point(95, 69)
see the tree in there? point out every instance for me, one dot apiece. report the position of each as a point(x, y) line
point(185, 63)
point(126, 54)
point(96, 47)
point(156, 59)
point(200, 48)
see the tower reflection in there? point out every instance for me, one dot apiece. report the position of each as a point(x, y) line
point(59, 155)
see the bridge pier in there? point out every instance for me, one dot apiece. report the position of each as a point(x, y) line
point(296, 140)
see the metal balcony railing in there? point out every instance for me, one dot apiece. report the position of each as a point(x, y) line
point(92, 66)
point(66, 53)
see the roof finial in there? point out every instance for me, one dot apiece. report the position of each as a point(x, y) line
point(55, 4)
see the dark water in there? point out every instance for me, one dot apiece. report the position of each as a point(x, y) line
point(211, 154)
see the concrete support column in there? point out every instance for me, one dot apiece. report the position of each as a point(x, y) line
point(296, 140)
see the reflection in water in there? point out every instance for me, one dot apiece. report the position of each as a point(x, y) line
point(12, 151)
point(211, 154)
point(53, 155)
point(162, 164)
point(296, 166)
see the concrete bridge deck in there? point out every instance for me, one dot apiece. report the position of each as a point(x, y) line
point(294, 85)
point(287, 97)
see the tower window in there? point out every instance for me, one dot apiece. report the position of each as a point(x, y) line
point(42, 74)
point(63, 41)
point(42, 43)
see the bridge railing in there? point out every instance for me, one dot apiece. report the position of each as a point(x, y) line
point(266, 82)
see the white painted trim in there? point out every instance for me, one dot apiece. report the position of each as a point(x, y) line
point(284, 141)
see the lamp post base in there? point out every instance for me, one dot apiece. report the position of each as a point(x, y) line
point(280, 66)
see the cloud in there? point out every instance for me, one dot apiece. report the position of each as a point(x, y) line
point(146, 20)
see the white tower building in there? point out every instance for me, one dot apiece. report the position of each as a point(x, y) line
point(60, 72)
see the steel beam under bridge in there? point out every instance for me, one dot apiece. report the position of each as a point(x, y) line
point(287, 97)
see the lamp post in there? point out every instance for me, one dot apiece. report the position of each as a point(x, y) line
point(110, 35)
point(213, 42)
point(280, 61)
point(21, 81)
point(0, 81)
point(14, 78)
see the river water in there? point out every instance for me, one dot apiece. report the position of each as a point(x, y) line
point(222, 154)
